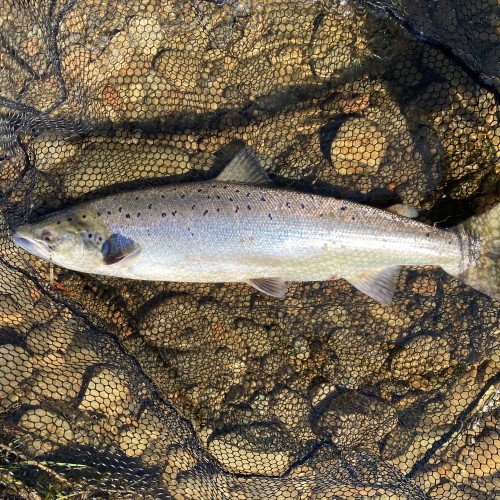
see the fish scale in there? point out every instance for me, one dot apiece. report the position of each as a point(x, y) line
point(223, 232)
point(241, 228)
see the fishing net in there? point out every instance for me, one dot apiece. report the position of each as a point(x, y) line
point(121, 389)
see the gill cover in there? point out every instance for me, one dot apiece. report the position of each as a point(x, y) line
point(119, 248)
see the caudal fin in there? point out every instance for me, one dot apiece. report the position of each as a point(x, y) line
point(480, 236)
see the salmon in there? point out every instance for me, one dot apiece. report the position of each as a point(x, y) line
point(240, 227)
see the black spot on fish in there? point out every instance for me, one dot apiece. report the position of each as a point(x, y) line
point(230, 199)
point(136, 197)
point(224, 187)
point(321, 215)
point(84, 216)
point(237, 190)
point(100, 238)
point(302, 206)
point(208, 197)
point(174, 212)
point(249, 207)
point(218, 210)
point(163, 214)
point(270, 216)
point(120, 209)
point(287, 204)
point(183, 196)
point(127, 216)
point(200, 190)
point(98, 214)
point(427, 234)
point(163, 196)
point(353, 218)
point(248, 194)
point(236, 210)
point(343, 208)
point(262, 199)
point(192, 208)
point(449, 242)
point(205, 212)
point(138, 214)
point(58, 222)
point(218, 197)
point(150, 206)
point(70, 219)
point(109, 212)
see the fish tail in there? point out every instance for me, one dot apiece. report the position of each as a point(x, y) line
point(480, 238)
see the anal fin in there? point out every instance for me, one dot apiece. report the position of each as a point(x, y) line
point(378, 283)
point(270, 286)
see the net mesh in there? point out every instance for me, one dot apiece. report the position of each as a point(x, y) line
point(118, 389)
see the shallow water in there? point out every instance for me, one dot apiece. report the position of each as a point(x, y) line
point(215, 391)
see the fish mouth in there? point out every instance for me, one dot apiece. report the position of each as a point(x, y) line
point(30, 245)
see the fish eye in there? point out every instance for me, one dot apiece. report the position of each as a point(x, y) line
point(47, 236)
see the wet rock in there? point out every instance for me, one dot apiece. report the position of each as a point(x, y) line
point(170, 323)
point(208, 365)
point(10, 313)
point(292, 410)
point(359, 147)
point(107, 392)
point(15, 367)
point(354, 420)
point(421, 355)
point(257, 449)
point(425, 286)
point(479, 460)
point(134, 439)
point(47, 425)
point(333, 47)
point(54, 336)
point(319, 390)
point(348, 368)
point(61, 383)
point(179, 459)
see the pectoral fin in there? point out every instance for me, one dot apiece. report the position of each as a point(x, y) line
point(378, 283)
point(270, 286)
point(119, 248)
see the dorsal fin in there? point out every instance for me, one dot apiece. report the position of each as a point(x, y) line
point(378, 283)
point(245, 168)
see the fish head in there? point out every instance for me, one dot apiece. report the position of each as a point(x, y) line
point(71, 239)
